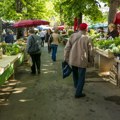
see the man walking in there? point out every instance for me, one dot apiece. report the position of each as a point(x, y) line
point(78, 53)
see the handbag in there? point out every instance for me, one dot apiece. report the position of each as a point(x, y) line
point(35, 48)
point(66, 69)
point(51, 39)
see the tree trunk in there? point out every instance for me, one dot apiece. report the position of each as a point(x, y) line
point(80, 19)
point(19, 10)
point(18, 6)
point(114, 4)
point(0, 30)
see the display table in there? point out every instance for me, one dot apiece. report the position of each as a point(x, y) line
point(115, 72)
point(103, 60)
point(8, 65)
point(65, 41)
point(108, 65)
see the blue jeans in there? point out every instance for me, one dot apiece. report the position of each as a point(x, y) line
point(79, 79)
point(54, 51)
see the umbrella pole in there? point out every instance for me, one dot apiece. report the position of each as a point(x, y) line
point(26, 32)
point(19, 33)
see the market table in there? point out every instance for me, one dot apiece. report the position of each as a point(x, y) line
point(8, 65)
point(103, 60)
point(115, 72)
point(108, 65)
point(65, 40)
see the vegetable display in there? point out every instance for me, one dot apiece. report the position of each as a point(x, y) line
point(11, 49)
point(109, 44)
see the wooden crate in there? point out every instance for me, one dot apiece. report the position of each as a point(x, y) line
point(118, 70)
point(114, 73)
point(104, 59)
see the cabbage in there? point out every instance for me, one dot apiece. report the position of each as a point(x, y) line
point(115, 50)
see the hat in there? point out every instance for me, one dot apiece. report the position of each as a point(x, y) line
point(83, 26)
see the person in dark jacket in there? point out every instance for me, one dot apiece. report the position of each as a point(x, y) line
point(9, 38)
point(36, 56)
point(112, 31)
point(47, 36)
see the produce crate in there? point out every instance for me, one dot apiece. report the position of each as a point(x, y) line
point(104, 60)
point(107, 54)
point(117, 70)
point(114, 74)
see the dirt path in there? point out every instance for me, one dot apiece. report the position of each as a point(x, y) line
point(48, 97)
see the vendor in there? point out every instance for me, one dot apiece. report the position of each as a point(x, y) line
point(112, 31)
point(9, 38)
point(101, 32)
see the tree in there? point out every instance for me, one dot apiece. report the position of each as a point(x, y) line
point(114, 4)
point(22, 9)
point(69, 9)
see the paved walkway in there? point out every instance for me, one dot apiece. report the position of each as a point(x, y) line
point(49, 97)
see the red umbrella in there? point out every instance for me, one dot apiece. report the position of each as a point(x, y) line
point(60, 27)
point(30, 23)
point(40, 22)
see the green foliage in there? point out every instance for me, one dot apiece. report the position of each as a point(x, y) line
point(70, 32)
point(49, 9)
point(69, 9)
point(12, 49)
point(107, 44)
point(22, 9)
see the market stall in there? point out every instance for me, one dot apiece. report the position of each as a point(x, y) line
point(115, 71)
point(104, 60)
point(107, 59)
point(8, 65)
point(12, 56)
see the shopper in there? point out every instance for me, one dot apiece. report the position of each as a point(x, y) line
point(42, 36)
point(78, 52)
point(34, 49)
point(48, 34)
point(53, 42)
point(9, 38)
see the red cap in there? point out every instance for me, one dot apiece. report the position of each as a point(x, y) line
point(83, 26)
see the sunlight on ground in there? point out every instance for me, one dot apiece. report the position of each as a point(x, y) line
point(25, 100)
point(7, 89)
point(3, 102)
point(19, 90)
point(44, 69)
point(50, 71)
point(4, 93)
point(48, 64)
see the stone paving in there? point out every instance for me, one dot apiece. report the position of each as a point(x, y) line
point(49, 97)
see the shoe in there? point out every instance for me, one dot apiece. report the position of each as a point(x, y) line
point(79, 96)
point(38, 72)
point(33, 73)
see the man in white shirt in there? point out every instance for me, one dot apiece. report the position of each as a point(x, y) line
point(42, 36)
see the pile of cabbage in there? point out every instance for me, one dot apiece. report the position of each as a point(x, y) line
point(112, 45)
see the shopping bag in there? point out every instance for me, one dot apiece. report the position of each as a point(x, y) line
point(66, 69)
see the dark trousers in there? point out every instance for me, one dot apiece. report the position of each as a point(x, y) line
point(79, 79)
point(36, 62)
point(42, 43)
point(54, 51)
